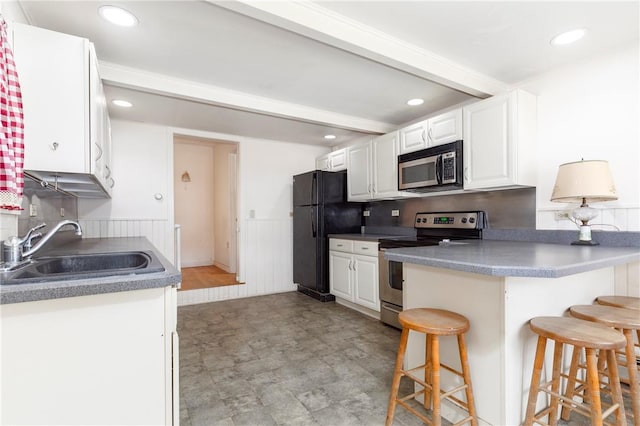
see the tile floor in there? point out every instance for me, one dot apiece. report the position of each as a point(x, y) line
point(286, 359)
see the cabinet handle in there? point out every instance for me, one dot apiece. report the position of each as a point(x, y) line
point(423, 136)
point(108, 175)
point(99, 153)
point(54, 146)
point(430, 135)
point(365, 248)
point(339, 245)
point(349, 266)
point(113, 182)
point(466, 173)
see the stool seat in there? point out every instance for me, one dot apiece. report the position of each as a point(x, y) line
point(434, 321)
point(620, 301)
point(608, 315)
point(577, 332)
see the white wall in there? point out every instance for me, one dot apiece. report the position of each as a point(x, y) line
point(590, 110)
point(194, 202)
point(265, 190)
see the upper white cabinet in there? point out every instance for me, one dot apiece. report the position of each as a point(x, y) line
point(499, 141)
point(334, 161)
point(443, 128)
point(65, 116)
point(373, 170)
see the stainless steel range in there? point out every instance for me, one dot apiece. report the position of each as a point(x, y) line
point(431, 229)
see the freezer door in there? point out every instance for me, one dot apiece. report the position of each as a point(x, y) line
point(305, 189)
point(306, 258)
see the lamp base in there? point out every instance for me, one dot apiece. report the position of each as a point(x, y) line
point(585, 243)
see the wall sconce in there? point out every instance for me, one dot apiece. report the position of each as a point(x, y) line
point(584, 181)
point(185, 177)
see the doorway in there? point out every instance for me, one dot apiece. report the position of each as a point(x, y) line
point(205, 198)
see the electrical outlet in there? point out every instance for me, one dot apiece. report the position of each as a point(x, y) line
point(61, 211)
point(561, 215)
point(33, 210)
point(366, 213)
point(395, 213)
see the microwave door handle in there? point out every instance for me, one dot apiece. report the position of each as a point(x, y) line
point(438, 167)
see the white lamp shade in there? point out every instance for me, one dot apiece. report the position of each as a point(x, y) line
point(590, 180)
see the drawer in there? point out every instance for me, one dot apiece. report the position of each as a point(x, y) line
point(341, 245)
point(367, 248)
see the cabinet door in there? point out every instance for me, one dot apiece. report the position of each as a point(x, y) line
point(385, 165)
point(359, 173)
point(445, 128)
point(366, 282)
point(54, 78)
point(340, 267)
point(488, 143)
point(322, 163)
point(414, 137)
point(98, 110)
point(338, 160)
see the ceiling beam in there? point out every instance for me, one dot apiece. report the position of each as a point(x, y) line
point(160, 84)
point(316, 22)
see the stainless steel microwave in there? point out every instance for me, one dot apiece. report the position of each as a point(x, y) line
point(437, 168)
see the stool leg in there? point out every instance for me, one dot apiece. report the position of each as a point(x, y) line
point(535, 381)
point(466, 374)
point(397, 374)
point(593, 385)
point(614, 384)
point(555, 383)
point(632, 371)
point(428, 370)
point(570, 390)
point(435, 381)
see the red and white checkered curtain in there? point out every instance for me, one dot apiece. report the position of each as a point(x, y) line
point(11, 128)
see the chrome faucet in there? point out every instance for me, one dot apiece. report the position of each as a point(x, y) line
point(16, 249)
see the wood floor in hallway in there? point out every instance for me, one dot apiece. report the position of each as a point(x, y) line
point(206, 277)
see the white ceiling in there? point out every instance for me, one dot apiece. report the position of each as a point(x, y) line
point(296, 71)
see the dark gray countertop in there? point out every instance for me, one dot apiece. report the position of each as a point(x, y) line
point(516, 258)
point(28, 292)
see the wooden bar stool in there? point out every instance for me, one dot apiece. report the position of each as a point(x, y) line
point(625, 321)
point(620, 301)
point(434, 323)
point(581, 335)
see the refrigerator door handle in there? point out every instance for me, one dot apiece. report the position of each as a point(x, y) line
point(314, 185)
point(313, 223)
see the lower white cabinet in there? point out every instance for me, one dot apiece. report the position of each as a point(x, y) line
point(353, 272)
point(99, 359)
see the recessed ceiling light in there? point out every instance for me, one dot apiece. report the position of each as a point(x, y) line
point(329, 136)
point(122, 103)
point(568, 37)
point(118, 16)
point(415, 102)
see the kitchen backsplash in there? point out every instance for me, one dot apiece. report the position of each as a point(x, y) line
point(45, 206)
point(512, 209)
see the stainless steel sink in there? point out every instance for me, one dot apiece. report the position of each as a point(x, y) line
point(66, 267)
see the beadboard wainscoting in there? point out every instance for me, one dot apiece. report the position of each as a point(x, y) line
point(266, 254)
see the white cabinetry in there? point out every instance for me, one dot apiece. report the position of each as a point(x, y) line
point(108, 358)
point(353, 271)
point(373, 170)
point(335, 161)
point(443, 128)
point(499, 142)
point(65, 115)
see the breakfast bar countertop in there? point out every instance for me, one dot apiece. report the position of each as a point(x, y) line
point(61, 288)
point(515, 258)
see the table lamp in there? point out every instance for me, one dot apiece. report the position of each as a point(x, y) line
point(585, 182)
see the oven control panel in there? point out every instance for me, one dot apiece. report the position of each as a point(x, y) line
point(457, 220)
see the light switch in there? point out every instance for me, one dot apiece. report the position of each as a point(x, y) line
point(395, 213)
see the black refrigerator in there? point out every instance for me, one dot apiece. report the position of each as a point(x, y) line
point(320, 208)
